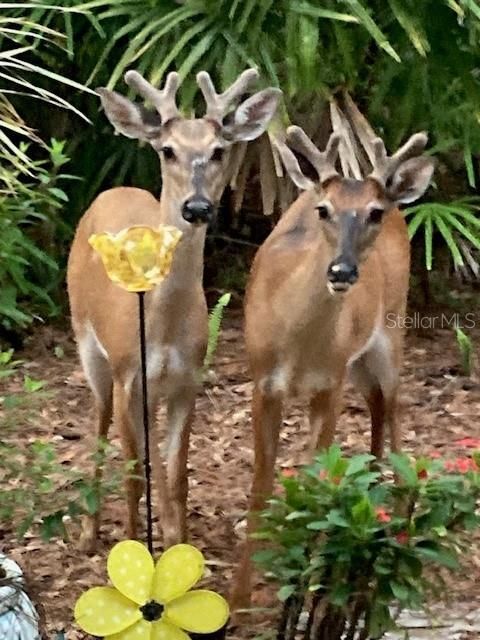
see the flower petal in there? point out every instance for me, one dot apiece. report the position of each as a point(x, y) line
point(137, 258)
point(141, 630)
point(177, 571)
point(198, 612)
point(102, 611)
point(130, 568)
point(163, 630)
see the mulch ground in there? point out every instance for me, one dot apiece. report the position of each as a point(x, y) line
point(439, 408)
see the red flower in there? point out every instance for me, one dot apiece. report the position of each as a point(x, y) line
point(382, 514)
point(403, 537)
point(473, 443)
point(422, 475)
point(466, 464)
point(323, 475)
point(461, 465)
point(289, 473)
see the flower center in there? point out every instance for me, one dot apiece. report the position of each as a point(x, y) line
point(152, 611)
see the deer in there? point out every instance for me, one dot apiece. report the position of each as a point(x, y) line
point(194, 158)
point(325, 298)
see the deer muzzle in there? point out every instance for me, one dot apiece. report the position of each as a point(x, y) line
point(198, 210)
point(342, 272)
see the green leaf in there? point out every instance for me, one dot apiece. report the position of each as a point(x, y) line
point(340, 594)
point(358, 463)
point(196, 53)
point(214, 325)
point(362, 512)
point(181, 44)
point(308, 9)
point(412, 27)
point(373, 29)
point(319, 525)
point(403, 468)
point(468, 159)
point(438, 555)
point(295, 515)
point(285, 592)
point(450, 240)
point(428, 242)
point(400, 591)
point(31, 386)
point(336, 518)
point(465, 231)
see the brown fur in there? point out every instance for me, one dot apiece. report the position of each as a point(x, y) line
point(300, 338)
point(195, 163)
point(176, 315)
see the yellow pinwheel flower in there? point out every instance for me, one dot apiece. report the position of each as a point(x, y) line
point(137, 258)
point(151, 602)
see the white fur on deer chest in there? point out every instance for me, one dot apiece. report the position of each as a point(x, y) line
point(164, 361)
point(284, 381)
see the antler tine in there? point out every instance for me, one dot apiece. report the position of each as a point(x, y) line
point(323, 162)
point(217, 104)
point(291, 165)
point(384, 166)
point(164, 100)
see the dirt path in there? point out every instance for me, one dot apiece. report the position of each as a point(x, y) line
point(439, 409)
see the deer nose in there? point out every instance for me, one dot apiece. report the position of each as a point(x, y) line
point(342, 273)
point(197, 210)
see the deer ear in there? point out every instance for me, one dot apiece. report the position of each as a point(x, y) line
point(130, 119)
point(411, 180)
point(253, 116)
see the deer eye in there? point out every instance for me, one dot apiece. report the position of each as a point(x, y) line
point(375, 215)
point(168, 153)
point(323, 212)
point(217, 154)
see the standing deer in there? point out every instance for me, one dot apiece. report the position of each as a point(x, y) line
point(325, 296)
point(194, 158)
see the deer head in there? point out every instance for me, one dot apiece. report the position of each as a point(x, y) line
point(194, 153)
point(351, 212)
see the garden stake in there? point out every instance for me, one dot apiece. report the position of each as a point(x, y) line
point(146, 429)
point(152, 597)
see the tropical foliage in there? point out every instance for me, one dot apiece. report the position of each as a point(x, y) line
point(31, 230)
point(407, 65)
point(355, 548)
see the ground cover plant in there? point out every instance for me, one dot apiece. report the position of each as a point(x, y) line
point(354, 548)
point(38, 491)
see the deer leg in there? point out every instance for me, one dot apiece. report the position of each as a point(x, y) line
point(99, 377)
point(126, 416)
point(391, 415)
point(180, 412)
point(267, 418)
point(376, 375)
point(324, 409)
point(371, 390)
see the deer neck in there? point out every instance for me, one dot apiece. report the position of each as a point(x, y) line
point(315, 304)
point(187, 266)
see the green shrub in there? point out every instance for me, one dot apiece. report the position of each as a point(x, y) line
point(31, 234)
point(39, 492)
point(391, 55)
point(348, 543)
